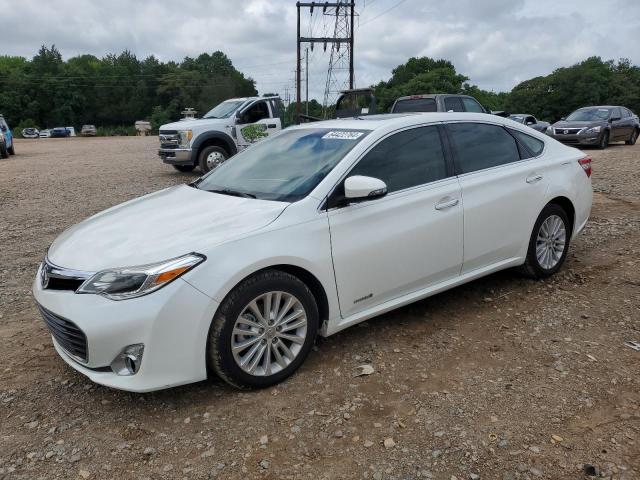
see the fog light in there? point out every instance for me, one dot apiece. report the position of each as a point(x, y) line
point(129, 360)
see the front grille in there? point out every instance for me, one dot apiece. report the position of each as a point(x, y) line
point(67, 334)
point(64, 284)
point(53, 277)
point(169, 139)
point(567, 131)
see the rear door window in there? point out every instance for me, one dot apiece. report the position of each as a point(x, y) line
point(471, 105)
point(453, 104)
point(479, 146)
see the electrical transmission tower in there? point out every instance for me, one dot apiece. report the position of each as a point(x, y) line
point(341, 60)
point(340, 71)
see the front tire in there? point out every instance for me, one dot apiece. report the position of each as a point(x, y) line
point(604, 140)
point(12, 150)
point(549, 242)
point(184, 168)
point(263, 330)
point(633, 138)
point(212, 157)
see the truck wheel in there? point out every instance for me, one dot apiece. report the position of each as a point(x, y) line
point(3, 151)
point(212, 157)
point(634, 137)
point(184, 168)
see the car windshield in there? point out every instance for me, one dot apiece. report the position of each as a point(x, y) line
point(589, 115)
point(224, 110)
point(517, 118)
point(284, 168)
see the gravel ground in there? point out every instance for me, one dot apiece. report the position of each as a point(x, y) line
point(504, 378)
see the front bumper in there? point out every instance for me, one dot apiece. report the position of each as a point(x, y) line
point(172, 323)
point(176, 156)
point(578, 139)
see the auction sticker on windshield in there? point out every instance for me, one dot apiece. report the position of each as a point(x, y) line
point(342, 135)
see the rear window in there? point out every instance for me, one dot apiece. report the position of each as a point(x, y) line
point(415, 105)
point(532, 144)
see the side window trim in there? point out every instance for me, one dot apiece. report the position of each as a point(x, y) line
point(325, 204)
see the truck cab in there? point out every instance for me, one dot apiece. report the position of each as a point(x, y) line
point(6, 139)
point(225, 130)
point(441, 102)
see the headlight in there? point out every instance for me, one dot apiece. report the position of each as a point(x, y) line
point(185, 137)
point(591, 130)
point(131, 282)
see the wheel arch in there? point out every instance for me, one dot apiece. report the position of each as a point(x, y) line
point(305, 276)
point(218, 139)
point(567, 206)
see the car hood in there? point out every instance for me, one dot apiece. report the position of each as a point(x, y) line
point(195, 124)
point(160, 226)
point(566, 124)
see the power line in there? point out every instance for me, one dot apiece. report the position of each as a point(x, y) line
point(382, 13)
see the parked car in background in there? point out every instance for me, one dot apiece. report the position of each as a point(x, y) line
point(530, 121)
point(30, 133)
point(6, 139)
point(72, 131)
point(437, 103)
point(88, 131)
point(59, 132)
point(248, 264)
point(228, 128)
point(46, 133)
point(597, 126)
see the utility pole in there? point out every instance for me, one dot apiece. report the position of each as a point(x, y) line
point(344, 11)
point(306, 74)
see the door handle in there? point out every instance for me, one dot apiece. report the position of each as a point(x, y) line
point(444, 204)
point(534, 178)
point(271, 125)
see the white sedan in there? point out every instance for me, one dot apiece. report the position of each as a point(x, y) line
point(303, 234)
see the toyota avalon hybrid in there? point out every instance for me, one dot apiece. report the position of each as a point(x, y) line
point(306, 233)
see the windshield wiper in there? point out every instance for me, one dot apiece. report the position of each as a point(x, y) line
point(233, 193)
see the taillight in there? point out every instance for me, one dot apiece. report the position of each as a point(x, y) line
point(585, 163)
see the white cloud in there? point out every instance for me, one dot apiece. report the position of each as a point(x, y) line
point(497, 43)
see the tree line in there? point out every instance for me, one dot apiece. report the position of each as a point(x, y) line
point(117, 90)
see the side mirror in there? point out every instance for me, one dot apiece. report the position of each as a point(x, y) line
point(360, 187)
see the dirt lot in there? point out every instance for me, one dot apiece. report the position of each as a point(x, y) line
point(504, 378)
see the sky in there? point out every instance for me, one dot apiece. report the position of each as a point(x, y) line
point(496, 43)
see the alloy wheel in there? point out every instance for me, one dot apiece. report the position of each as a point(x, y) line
point(551, 241)
point(269, 333)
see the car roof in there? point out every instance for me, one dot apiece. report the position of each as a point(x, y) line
point(246, 99)
point(432, 95)
point(393, 121)
point(600, 106)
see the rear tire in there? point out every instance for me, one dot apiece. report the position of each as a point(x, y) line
point(279, 345)
point(212, 157)
point(549, 242)
point(604, 140)
point(184, 168)
point(633, 138)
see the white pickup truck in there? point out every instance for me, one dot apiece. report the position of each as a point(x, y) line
point(224, 131)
